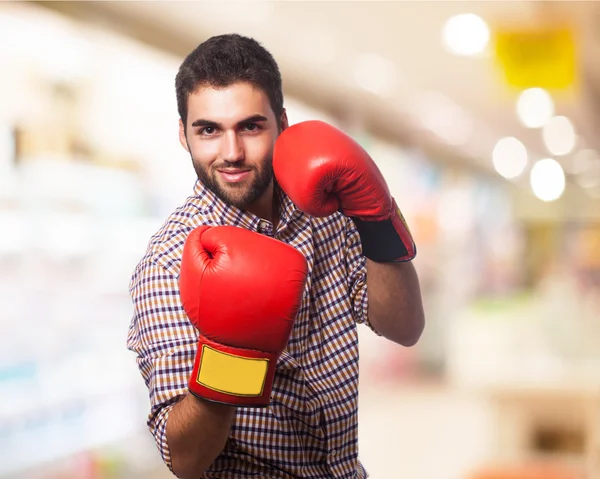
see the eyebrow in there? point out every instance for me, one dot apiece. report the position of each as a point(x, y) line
point(251, 119)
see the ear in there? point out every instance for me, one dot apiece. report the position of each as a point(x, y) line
point(284, 120)
point(182, 138)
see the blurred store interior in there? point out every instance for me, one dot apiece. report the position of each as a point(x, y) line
point(483, 117)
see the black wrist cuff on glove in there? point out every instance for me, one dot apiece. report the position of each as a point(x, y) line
point(382, 243)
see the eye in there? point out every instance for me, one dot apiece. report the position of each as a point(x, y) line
point(251, 127)
point(208, 130)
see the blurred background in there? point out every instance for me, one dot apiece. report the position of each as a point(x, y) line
point(483, 117)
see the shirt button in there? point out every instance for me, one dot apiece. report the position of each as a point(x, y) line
point(265, 227)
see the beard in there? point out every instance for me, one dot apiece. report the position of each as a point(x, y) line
point(240, 194)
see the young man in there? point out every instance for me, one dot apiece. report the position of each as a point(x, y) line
point(222, 289)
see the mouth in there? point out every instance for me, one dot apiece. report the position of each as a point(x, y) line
point(234, 175)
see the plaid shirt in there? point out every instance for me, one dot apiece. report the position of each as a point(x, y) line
point(310, 428)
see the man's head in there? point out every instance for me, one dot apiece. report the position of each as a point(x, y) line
point(230, 102)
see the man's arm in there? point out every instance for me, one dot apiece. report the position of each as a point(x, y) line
point(395, 305)
point(191, 432)
point(196, 433)
point(233, 335)
point(323, 170)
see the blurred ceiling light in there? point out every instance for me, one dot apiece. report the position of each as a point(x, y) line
point(586, 168)
point(444, 117)
point(583, 160)
point(375, 74)
point(535, 107)
point(559, 135)
point(588, 181)
point(547, 179)
point(465, 34)
point(509, 157)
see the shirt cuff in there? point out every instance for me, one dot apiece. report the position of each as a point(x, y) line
point(361, 306)
point(158, 427)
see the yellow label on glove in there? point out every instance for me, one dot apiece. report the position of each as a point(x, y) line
point(231, 374)
point(399, 213)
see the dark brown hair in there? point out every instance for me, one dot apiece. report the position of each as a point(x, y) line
point(224, 60)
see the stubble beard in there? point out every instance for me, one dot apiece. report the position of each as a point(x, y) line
point(242, 194)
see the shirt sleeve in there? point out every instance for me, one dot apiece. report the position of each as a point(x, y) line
point(356, 265)
point(165, 343)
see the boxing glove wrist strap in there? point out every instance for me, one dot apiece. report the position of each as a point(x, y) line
point(388, 240)
point(231, 375)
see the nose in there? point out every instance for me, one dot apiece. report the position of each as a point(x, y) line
point(232, 148)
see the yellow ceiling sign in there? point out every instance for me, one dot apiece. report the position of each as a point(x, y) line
point(543, 58)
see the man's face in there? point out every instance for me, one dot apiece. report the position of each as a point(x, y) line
point(230, 135)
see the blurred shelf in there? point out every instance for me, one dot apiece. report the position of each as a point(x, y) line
point(548, 422)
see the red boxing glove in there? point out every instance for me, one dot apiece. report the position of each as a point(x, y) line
point(323, 170)
point(242, 290)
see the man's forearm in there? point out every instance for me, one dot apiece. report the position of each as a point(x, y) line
point(395, 304)
point(196, 433)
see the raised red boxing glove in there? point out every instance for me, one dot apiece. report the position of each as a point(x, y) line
point(323, 170)
point(242, 291)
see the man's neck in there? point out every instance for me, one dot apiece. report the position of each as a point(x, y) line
point(266, 207)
